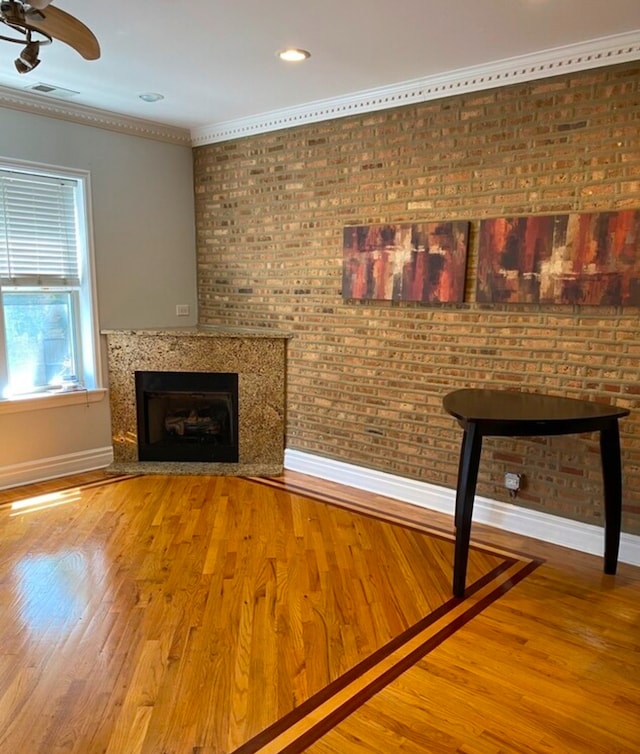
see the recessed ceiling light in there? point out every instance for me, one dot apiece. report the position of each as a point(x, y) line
point(151, 97)
point(293, 55)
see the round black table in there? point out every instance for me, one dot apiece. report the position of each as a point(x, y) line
point(517, 414)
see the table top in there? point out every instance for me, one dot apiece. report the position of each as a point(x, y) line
point(508, 412)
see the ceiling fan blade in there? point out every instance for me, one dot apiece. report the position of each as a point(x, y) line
point(65, 28)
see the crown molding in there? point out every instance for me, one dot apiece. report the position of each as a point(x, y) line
point(51, 107)
point(620, 48)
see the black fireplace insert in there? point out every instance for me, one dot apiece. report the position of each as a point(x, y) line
point(187, 416)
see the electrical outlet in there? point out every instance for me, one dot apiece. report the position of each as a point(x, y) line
point(512, 481)
point(182, 310)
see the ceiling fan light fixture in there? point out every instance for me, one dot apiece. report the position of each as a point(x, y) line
point(293, 55)
point(47, 22)
point(28, 58)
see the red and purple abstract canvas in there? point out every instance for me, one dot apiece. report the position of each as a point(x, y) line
point(423, 262)
point(590, 258)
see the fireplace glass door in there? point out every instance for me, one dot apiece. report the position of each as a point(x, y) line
point(187, 416)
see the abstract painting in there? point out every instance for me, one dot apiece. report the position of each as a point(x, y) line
point(586, 258)
point(423, 262)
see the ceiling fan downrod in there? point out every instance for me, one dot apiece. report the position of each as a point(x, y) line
point(12, 15)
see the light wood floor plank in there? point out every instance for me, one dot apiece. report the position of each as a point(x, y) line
point(211, 615)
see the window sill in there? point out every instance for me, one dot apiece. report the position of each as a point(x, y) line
point(52, 400)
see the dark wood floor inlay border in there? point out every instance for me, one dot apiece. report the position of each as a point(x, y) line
point(301, 727)
point(10, 495)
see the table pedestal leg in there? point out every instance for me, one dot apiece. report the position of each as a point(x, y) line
point(467, 478)
point(612, 480)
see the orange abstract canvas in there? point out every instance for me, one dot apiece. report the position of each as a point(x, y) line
point(423, 262)
point(586, 258)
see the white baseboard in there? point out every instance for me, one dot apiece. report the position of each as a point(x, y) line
point(544, 526)
point(50, 468)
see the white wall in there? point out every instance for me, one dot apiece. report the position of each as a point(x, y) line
point(144, 241)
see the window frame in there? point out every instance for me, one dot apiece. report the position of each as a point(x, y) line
point(86, 323)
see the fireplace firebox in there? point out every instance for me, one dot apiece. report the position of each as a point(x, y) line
point(187, 416)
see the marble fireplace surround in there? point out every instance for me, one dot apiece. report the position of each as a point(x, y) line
point(257, 356)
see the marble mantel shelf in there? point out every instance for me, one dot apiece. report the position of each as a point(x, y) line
point(206, 331)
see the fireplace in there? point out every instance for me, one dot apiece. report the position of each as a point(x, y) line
point(187, 416)
point(241, 418)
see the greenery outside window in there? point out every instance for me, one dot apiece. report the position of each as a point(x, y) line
point(48, 336)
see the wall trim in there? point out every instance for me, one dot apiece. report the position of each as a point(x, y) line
point(543, 526)
point(610, 50)
point(619, 48)
point(42, 469)
point(52, 107)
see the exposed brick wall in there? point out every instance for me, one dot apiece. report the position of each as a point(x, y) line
point(366, 380)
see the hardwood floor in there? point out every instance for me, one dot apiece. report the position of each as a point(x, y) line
point(220, 615)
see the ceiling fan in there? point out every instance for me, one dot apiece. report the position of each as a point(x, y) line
point(38, 23)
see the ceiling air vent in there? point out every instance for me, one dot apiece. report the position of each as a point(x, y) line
point(52, 91)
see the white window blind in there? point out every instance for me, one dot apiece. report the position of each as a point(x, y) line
point(38, 230)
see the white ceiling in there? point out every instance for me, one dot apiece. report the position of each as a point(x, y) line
point(214, 60)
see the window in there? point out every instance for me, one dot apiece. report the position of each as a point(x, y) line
point(48, 337)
